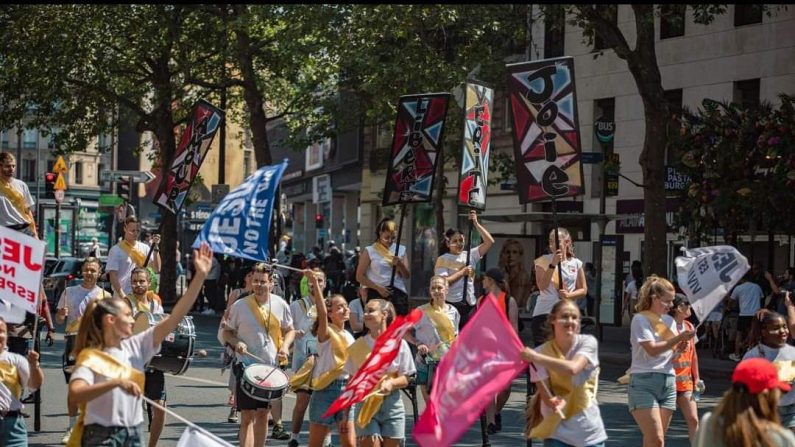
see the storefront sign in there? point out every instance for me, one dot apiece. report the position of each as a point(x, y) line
point(636, 223)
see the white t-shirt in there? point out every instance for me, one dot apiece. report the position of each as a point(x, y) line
point(75, 299)
point(119, 262)
point(444, 267)
point(116, 408)
point(640, 331)
point(9, 402)
point(402, 365)
point(426, 334)
point(380, 271)
point(749, 295)
point(632, 290)
point(357, 309)
point(785, 353)
point(549, 296)
point(248, 329)
point(9, 215)
point(298, 310)
point(586, 427)
point(325, 358)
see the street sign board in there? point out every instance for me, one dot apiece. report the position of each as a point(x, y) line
point(321, 188)
point(590, 158)
point(60, 166)
point(59, 195)
point(110, 200)
point(137, 176)
point(60, 183)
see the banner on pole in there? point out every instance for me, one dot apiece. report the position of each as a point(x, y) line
point(479, 104)
point(707, 274)
point(546, 135)
point(21, 262)
point(416, 148)
point(194, 437)
point(192, 148)
point(483, 360)
point(384, 351)
point(240, 225)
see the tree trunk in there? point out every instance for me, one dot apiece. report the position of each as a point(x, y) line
point(438, 203)
point(255, 103)
point(168, 220)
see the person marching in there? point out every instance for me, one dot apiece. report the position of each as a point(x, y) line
point(18, 373)
point(377, 263)
point(70, 308)
point(229, 352)
point(769, 330)
point(305, 345)
point(382, 416)
point(144, 300)
point(453, 266)
point(329, 374)
point(260, 324)
point(652, 382)
point(547, 278)
point(108, 379)
point(128, 254)
point(494, 283)
point(434, 332)
point(569, 363)
point(746, 414)
point(686, 367)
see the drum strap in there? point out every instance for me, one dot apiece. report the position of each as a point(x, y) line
point(268, 321)
point(10, 378)
point(105, 365)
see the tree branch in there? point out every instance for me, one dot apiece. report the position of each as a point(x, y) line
point(608, 30)
point(112, 96)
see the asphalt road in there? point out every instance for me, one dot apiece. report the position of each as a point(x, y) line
point(203, 401)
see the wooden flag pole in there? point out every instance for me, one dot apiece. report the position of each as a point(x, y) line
point(466, 264)
point(397, 243)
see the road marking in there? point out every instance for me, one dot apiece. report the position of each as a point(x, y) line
point(225, 385)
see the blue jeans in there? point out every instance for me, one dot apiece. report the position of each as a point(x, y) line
point(97, 435)
point(556, 443)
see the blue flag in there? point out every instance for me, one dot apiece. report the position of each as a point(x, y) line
point(240, 225)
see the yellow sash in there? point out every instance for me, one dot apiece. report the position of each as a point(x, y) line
point(302, 379)
point(442, 262)
point(18, 200)
point(441, 323)
point(659, 326)
point(10, 378)
point(138, 306)
point(358, 352)
point(383, 251)
point(339, 350)
point(104, 365)
point(577, 398)
point(137, 257)
point(74, 326)
point(269, 322)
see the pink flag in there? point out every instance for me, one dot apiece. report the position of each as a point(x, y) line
point(482, 361)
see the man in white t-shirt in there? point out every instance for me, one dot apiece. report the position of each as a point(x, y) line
point(128, 254)
point(748, 295)
point(15, 199)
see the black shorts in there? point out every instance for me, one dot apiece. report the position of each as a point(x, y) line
point(242, 400)
point(744, 323)
point(155, 385)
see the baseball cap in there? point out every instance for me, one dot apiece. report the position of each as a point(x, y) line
point(495, 274)
point(758, 375)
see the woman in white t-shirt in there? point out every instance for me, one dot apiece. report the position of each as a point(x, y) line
point(547, 267)
point(654, 339)
point(378, 265)
point(108, 379)
point(631, 290)
point(453, 266)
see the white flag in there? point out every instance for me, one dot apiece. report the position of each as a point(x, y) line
point(194, 437)
point(10, 313)
point(707, 274)
point(21, 267)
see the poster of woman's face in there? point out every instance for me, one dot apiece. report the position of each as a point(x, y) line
point(514, 255)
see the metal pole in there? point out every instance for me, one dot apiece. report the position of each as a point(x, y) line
point(557, 242)
point(57, 229)
point(397, 243)
point(468, 249)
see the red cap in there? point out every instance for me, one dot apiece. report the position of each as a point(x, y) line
point(758, 375)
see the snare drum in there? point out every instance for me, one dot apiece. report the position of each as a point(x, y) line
point(263, 382)
point(176, 351)
point(69, 359)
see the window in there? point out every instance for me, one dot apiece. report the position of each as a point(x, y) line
point(30, 138)
point(5, 139)
point(78, 173)
point(554, 33)
point(29, 170)
point(246, 163)
point(51, 141)
point(610, 13)
point(672, 20)
point(674, 100)
point(746, 93)
point(747, 14)
point(604, 110)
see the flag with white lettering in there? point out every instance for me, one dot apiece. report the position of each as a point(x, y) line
point(21, 261)
point(707, 275)
point(195, 437)
point(240, 225)
point(384, 351)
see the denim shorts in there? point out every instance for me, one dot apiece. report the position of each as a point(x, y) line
point(389, 421)
point(321, 400)
point(14, 432)
point(555, 443)
point(97, 435)
point(652, 390)
point(787, 415)
point(422, 372)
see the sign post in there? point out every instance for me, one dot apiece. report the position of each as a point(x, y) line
point(60, 186)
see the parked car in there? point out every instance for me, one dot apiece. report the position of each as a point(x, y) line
point(62, 273)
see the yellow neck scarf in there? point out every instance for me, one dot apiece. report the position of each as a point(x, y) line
point(268, 321)
point(18, 200)
point(137, 257)
point(10, 378)
point(383, 251)
point(339, 350)
point(358, 352)
point(103, 364)
point(660, 328)
point(577, 398)
point(441, 323)
point(139, 306)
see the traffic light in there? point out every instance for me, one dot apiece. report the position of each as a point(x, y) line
point(49, 181)
point(123, 188)
point(319, 220)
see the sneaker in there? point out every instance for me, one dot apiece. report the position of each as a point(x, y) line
point(292, 443)
point(279, 433)
point(66, 437)
point(735, 357)
point(491, 429)
point(232, 419)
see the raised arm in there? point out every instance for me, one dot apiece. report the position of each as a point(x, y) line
point(488, 239)
point(320, 305)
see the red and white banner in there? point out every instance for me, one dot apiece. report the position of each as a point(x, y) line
point(384, 351)
point(21, 266)
point(483, 360)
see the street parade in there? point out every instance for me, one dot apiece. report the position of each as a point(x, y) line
point(250, 225)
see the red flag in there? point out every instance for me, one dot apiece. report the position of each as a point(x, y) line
point(373, 369)
point(482, 361)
